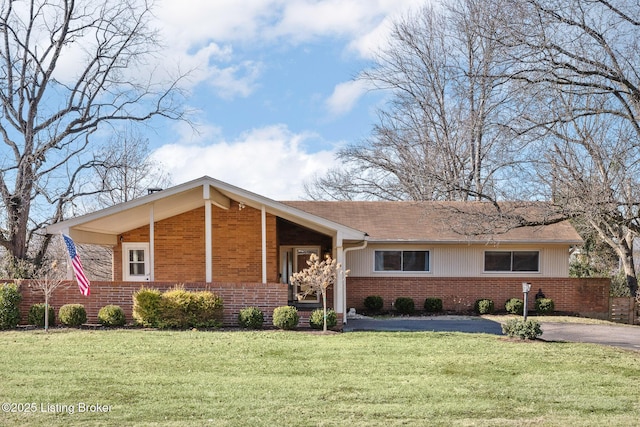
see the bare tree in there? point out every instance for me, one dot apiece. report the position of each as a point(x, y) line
point(127, 172)
point(47, 281)
point(70, 70)
point(580, 58)
point(440, 136)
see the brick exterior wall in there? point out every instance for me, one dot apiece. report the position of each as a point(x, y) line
point(235, 296)
point(587, 297)
point(180, 246)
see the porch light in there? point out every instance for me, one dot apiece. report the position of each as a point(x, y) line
point(526, 287)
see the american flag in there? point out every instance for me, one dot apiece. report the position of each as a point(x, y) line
point(83, 282)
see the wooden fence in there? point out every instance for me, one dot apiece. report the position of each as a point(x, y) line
point(624, 310)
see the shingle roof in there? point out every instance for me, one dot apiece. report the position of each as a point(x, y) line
point(441, 221)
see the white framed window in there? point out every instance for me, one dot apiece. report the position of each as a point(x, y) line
point(135, 262)
point(402, 261)
point(511, 261)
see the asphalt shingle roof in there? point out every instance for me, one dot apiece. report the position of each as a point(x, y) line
point(441, 221)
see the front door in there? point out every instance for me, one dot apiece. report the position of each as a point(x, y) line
point(294, 259)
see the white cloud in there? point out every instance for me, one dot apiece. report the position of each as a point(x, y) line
point(345, 96)
point(240, 79)
point(199, 33)
point(270, 161)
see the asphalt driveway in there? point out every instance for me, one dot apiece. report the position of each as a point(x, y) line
point(622, 336)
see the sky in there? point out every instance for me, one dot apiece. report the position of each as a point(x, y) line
point(272, 88)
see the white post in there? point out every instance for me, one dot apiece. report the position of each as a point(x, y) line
point(208, 238)
point(340, 290)
point(264, 244)
point(152, 245)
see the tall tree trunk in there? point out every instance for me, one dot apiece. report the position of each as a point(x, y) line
point(626, 259)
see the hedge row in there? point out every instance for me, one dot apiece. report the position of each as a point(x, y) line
point(177, 308)
point(406, 305)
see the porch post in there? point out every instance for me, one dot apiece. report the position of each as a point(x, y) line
point(340, 290)
point(208, 252)
point(264, 244)
point(69, 269)
point(152, 245)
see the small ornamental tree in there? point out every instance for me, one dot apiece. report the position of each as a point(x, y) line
point(317, 278)
point(48, 279)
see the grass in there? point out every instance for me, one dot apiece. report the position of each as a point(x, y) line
point(168, 378)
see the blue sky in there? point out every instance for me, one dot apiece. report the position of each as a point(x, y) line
point(272, 87)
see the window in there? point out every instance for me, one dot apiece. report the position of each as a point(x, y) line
point(135, 260)
point(402, 261)
point(512, 261)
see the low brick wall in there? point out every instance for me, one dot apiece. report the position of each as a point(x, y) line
point(586, 297)
point(235, 297)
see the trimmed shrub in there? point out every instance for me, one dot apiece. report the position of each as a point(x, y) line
point(36, 315)
point(514, 306)
point(111, 315)
point(10, 298)
point(177, 308)
point(405, 305)
point(181, 309)
point(316, 320)
point(146, 307)
point(374, 302)
point(433, 305)
point(483, 306)
point(526, 330)
point(544, 306)
point(285, 317)
point(72, 315)
point(251, 318)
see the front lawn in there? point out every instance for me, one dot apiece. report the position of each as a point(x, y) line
point(275, 378)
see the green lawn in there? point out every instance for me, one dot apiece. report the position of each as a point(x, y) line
point(274, 378)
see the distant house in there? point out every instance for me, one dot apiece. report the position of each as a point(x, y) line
point(207, 233)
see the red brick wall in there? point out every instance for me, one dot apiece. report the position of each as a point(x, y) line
point(180, 246)
point(589, 297)
point(237, 245)
point(235, 296)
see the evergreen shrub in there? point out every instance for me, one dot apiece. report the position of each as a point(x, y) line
point(251, 318)
point(374, 303)
point(544, 306)
point(405, 305)
point(484, 306)
point(10, 298)
point(433, 305)
point(526, 330)
point(285, 317)
point(73, 315)
point(36, 315)
point(111, 315)
point(514, 306)
point(316, 320)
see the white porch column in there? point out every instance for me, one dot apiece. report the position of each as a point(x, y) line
point(68, 263)
point(208, 238)
point(340, 290)
point(264, 244)
point(152, 245)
